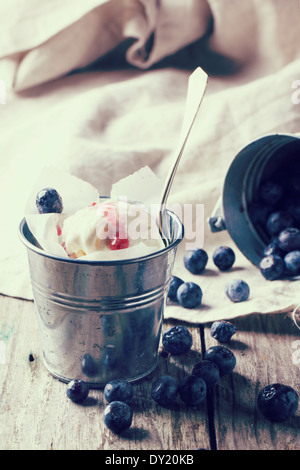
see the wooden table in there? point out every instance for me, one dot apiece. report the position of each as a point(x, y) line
point(36, 414)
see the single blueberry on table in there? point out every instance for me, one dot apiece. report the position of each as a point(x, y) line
point(277, 402)
point(48, 201)
point(195, 260)
point(164, 390)
point(223, 357)
point(237, 290)
point(175, 283)
point(272, 267)
point(117, 416)
point(192, 390)
point(289, 239)
point(222, 330)
point(224, 258)
point(77, 390)
point(208, 371)
point(292, 262)
point(118, 390)
point(189, 295)
point(278, 221)
point(177, 340)
point(270, 192)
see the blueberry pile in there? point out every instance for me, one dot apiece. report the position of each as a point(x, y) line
point(189, 294)
point(276, 216)
point(192, 388)
point(118, 393)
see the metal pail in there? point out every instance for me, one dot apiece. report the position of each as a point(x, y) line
point(100, 321)
point(257, 162)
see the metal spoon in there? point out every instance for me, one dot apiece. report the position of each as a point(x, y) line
point(196, 88)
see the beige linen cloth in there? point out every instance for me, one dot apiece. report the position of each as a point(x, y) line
point(102, 125)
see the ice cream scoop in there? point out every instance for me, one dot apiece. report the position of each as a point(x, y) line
point(110, 230)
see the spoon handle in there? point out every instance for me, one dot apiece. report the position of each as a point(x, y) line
point(196, 88)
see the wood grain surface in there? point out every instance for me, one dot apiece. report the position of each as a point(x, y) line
point(37, 415)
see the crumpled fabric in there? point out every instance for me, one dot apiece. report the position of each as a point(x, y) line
point(102, 125)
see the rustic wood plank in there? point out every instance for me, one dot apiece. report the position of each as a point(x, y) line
point(37, 415)
point(263, 345)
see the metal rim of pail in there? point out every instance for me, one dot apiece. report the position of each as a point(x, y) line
point(236, 188)
point(40, 251)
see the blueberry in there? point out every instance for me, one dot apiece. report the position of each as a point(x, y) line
point(273, 249)
point(208, 371)
point(189, 295)
point(192, 390)
point(177, 340)
point(89, 365)
point(222, 330)
point(196, 260)
point(164, 390)
point(272, 267)
point(223, 357)
point(117, 416)
point(224, 258)
point(173, 288)
point(48, 200)
point(270, 193)
point(237, 290)
point(292, 262)
point(277, 402)
point(77, 390)
point(289, 239)
point(278, 221)
point(118, 390)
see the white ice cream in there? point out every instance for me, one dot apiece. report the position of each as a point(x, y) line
point(110, 230)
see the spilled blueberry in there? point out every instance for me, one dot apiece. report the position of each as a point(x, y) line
point(278, 221)
point(164, 390)
point(237, 290)
point(192, 390)
point(292, 262)
point(289, 239)
point(277, 402)
point(117, 416)
point(222, 330)
point(272, 267)
point(189, 295)
point(118, 390)
point(177, 340)
point(48, 201)
point(195, 260)
point(273, 249)
point(224, 258)
point(223, 357)
point(77, 390)
point(175, 283)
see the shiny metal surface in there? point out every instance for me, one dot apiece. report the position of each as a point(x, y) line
point(101, 320)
